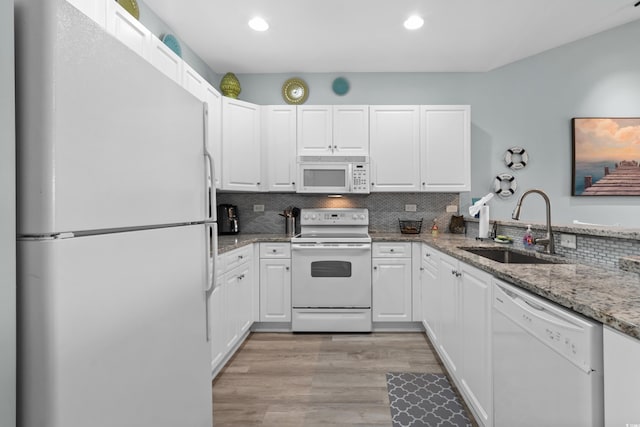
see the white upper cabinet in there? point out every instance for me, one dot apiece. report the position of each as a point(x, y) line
point(241, 146)
point(338, 130)
point(314, 132)
point(213, 98)
point(395, 147)
point(94, 9)
point(165, 60)
point(351, 130)
point(279, 143)
point(128, 29)
point(194, 82)
point(446, 148)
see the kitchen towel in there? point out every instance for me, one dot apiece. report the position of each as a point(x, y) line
point(421, 400)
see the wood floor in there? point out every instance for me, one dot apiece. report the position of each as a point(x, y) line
point(281, 379)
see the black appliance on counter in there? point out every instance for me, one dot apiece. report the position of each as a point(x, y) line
point(228, 219)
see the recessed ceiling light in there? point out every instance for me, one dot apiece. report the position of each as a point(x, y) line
point(258, 24)
point(413, 22)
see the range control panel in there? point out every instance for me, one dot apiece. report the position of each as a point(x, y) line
point(334, 216)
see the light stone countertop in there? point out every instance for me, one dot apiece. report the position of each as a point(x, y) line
point(611, 297)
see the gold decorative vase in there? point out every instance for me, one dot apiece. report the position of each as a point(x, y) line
point(230, 85)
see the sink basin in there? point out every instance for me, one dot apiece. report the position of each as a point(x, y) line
point(509, 256)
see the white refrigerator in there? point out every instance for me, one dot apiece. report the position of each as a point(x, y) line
point(116, 234)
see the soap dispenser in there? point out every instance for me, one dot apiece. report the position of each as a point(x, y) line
point(527, 239)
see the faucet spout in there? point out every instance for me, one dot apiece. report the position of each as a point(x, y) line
point(547, 241)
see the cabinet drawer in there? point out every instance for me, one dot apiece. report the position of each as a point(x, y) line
point(237, 257)
point(429, 257)
point(275, 250)
point(391, 249)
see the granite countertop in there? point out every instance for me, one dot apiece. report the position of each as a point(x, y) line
point(228, 243)
point(608, 296)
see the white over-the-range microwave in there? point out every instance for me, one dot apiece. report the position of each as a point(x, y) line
point(333, 174)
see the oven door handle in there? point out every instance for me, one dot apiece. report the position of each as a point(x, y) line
point(311, 246)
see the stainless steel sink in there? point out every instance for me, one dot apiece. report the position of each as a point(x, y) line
point(509, 256)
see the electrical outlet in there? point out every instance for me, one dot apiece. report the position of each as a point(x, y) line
point(568, 241)
point(258, 208)
point(452, 208)
point(410, 208)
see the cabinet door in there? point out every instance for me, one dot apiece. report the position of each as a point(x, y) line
point(391, 289)
point(476, 340)
point(621, 378)
point(450, 331)
point(351, 130)
point(128, 29)
point(275, 290)
point(245, 303)
point(213, 98)
point(314, 133)
point(165, 60)
point(231, 320)
point(446, 149)
point(241, 155)
point(429, 281)
point(217, 326)
point(193, 82)
point(279, 142)
point(395, 148)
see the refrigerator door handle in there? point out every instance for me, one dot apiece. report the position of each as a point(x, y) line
point(210, 185)
point(210, 181)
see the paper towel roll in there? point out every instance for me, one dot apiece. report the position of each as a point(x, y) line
point(483, 231)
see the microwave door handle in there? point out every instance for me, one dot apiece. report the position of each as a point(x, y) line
point(350, 172)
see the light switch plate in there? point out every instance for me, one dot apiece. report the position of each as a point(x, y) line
point(258, 208)
point(410, 208)
point(452, 208)
point(568, 241)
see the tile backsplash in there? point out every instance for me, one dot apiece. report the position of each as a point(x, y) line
point(384, 208)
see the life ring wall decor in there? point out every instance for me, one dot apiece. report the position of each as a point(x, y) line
point(516, 158)
point(505, 185)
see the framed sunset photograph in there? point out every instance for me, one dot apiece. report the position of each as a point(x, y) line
point(606, 156)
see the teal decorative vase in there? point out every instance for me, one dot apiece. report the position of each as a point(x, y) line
point(230, 85)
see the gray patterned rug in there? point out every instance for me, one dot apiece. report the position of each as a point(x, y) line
point(424, 400)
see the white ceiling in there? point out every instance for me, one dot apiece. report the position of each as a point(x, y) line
point(368, 36)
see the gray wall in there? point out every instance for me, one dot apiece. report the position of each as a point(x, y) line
point(528, 103)
point(7, 221)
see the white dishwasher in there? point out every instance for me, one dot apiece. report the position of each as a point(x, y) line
point(547, 363)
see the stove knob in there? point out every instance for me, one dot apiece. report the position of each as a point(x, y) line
point(355, 216)
point(313, 216)
point(306, 216)
point(362, 216)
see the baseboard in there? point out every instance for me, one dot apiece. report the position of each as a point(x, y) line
point(397, 327)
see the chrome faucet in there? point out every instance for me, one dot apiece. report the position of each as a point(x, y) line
point(547, 242)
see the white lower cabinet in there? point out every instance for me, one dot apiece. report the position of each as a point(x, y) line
point(230, 304)
point(475, 319)
point(275, 282)
point(429, 284)
point(457, 316)
point(391, 282)
point(621, 379)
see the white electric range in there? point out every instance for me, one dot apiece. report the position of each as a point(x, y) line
point(331, 271)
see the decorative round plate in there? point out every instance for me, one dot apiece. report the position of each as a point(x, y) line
point(172, 43)
point(295, 91)
point(340, 86)
point(130, 6)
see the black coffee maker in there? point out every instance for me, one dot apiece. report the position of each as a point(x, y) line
point(228, 219)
